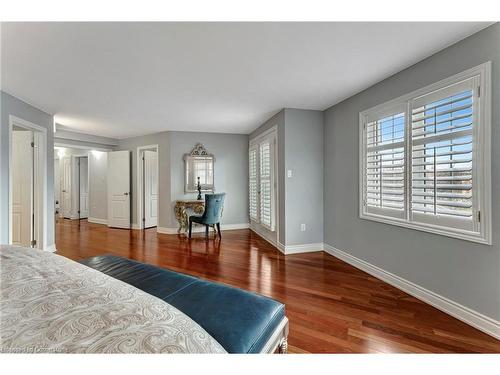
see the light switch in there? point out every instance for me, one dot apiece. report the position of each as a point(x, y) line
point(289, 173)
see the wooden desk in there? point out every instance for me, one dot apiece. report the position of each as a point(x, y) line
point(198, 206)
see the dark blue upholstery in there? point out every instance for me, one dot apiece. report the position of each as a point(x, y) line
point(214, 203)
point(240, 321)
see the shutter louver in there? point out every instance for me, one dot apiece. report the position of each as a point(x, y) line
point(442, 155)
point(385, 163)
point(253, 192)
point(265, 183)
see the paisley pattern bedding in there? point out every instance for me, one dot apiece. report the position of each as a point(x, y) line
point(50, 304)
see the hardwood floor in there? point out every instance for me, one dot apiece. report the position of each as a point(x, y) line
point(332, 306)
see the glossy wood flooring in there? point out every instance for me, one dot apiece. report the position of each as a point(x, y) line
point(332, 306)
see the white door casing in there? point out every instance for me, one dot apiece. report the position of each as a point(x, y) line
point(66, 187)
point(150, 191)
point(119, 189)
point(22, 192)
point(57, 185)
point(84, 187)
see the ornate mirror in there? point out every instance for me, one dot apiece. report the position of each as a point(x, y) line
point(199, 163)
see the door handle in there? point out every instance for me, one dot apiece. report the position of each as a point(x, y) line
point(125, 193)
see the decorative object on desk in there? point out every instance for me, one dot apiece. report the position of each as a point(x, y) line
point(199, 164)
point(214, 205)
point(199, 190)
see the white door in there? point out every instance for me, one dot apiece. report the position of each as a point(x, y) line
point(22, 188)
point(66, 187)
point(119, 189)
point(84, 187)
point(57, 186)
point(150, 168)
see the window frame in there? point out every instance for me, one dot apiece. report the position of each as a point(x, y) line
point(482, 157)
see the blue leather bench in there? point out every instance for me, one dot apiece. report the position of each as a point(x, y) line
point(241, 321)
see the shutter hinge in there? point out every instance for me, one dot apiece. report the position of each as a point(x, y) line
point(143, 219)
point(33, 243)
point(478, 91)
point(479, 216)
point(32, 144)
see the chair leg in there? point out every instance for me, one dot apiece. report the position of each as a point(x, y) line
point(218, 230)
point(206, 231)
point(190, 227)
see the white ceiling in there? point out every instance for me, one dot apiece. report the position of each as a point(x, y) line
point(126, 79)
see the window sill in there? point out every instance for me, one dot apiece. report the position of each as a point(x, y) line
point(459, 234)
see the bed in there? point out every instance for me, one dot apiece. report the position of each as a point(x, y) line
point(109, 304)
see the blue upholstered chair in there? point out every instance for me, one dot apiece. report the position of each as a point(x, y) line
point(214, 203)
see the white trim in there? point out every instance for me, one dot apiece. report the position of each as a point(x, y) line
point(303, 248)
point(40, 139)
point(463, 313)
point(483, 173)
point(139, 176)
point(280, 333)
point(135, 226)
point(96, 220)
point(51, 248)
point(223, 227)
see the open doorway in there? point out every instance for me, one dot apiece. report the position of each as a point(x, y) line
point(147, 183)
point(27, 183)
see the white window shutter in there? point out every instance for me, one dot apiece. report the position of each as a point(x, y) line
point(384, 165)
point(442, 156)
point(253, 184)
point(266, 188)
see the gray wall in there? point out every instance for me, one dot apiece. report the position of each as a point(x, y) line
point(230, 174)
point(279, 121)
point(462, 271)
point(300, 149)
point(10, 105)
point(304, 190)
point(230, 171)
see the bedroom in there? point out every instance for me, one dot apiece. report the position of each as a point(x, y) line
point(243, 179)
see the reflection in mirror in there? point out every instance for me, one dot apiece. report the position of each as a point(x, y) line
point(199, 164)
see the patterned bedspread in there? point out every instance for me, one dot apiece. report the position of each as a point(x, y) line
point(50, 304)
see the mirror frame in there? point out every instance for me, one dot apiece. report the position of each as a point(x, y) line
point(198, 151)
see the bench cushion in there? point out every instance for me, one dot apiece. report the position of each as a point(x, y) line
point(240, 321)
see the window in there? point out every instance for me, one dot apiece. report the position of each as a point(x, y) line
point(253, 192)
point(261, 180)
point(425, 158)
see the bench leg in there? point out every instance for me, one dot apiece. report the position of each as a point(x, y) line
point(283, 346)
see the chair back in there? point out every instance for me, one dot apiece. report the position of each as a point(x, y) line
point(214, 203)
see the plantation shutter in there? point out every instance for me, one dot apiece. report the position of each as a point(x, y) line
point(253, 183)
point(384, 166)
point(443, 123)
point(265, 176)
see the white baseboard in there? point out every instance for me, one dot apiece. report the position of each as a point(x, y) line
point(465, 314)
point(97, 221)
point(51, 248)
point(198, 229)
point(135, 226)
point(303, 248)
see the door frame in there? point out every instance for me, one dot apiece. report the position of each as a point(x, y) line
point(39, 182)
point(140, 183)
point(75, 162)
